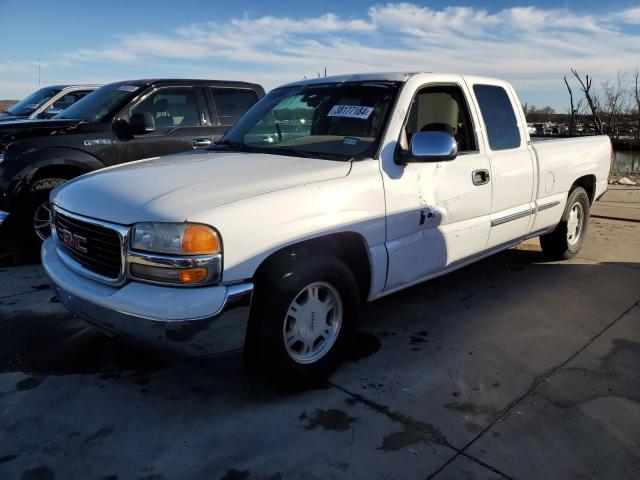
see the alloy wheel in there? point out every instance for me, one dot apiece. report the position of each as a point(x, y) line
point(312, 323)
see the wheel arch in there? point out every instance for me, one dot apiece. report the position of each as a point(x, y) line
point(351, 247)
point(588, 182)
point(53, 163)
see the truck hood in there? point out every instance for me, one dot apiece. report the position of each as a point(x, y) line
point(176, 187)
point(24, 129)
point(6, 117)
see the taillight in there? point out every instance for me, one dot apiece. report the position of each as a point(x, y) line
point(612, 155)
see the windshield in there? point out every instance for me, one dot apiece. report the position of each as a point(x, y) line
point(99, 103)
point(28, 105)
point(332, 121)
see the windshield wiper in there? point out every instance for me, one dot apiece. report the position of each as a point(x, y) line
point(295, 151)
point(237, 146)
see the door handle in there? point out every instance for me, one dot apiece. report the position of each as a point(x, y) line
point(201, 142)
point(480, 177)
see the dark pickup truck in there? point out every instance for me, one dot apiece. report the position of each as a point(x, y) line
point(117, 123)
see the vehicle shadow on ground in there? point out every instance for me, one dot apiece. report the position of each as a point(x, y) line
point(49, 341)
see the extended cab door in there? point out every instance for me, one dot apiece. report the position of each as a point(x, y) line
point(181, 124)
point(437, 212)
point(512, 165)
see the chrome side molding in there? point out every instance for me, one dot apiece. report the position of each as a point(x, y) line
point(514, 216)
point(546, 206)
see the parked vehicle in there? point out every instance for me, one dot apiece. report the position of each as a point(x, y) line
point(47, 102)
point(118, 123)
point(271, 241)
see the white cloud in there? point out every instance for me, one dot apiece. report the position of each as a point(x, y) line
point(533, 47)
point(629, 15)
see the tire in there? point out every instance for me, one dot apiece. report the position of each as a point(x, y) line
point(567, 238)
point(319, 337)
point(32, 213)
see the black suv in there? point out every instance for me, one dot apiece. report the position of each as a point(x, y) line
point(117, 123)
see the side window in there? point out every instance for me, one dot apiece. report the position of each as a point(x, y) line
point(498, 115)
point(232, 103)
point(69, 99)
point(171, 107)
point(443, 109)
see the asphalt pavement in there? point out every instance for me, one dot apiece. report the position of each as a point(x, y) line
point(514, 367)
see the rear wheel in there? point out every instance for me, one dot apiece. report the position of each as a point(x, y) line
point(567, 238)
point(304, 317)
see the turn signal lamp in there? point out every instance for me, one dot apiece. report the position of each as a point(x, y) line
point(193, 275)
point(199, 240)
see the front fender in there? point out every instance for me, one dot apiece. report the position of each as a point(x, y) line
point(254, 228)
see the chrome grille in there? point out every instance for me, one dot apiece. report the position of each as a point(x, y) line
point(95, 247)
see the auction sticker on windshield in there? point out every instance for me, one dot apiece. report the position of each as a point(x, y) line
point(128, 88)
point(350, 111)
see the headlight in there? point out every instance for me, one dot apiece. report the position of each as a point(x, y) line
point(175, 253)
point(175, 238)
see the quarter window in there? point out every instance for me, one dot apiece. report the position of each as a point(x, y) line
point(232, 103)
point(498, 115)
point(171, 107)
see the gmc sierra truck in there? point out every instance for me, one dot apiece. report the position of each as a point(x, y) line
point(328, 192)
point(117, 123)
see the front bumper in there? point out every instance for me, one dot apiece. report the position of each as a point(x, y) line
point(191, 322)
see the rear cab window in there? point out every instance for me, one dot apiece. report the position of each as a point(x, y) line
point(499, 118)
point(232, 103)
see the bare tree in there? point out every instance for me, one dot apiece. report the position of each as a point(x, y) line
point(615, 96)
point(591, 100)
point(572, 111)
point(637, 95)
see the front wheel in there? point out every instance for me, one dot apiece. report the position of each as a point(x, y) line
point(33, 216)
point(304, 314)
point(567, 238)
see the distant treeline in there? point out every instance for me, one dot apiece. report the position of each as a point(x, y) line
point(612, 109)
point(4, 104)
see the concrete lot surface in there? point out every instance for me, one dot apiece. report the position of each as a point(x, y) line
point(619, 201)
point(514, 367)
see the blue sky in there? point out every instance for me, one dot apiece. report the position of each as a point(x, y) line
point(532, 44)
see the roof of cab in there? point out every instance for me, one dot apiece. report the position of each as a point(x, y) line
point(383, 76)
point(145, 82)
point(358, 77)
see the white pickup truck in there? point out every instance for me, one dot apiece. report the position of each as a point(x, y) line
point(328, 192)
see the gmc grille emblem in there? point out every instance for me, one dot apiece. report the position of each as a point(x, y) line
point(73, 241)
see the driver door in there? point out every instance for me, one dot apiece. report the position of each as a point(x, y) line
point(438, 213)
point(181, 124)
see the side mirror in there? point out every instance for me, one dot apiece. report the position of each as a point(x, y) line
point(50, 113)
point(431, 147)
point(142, 123)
